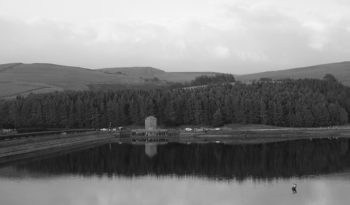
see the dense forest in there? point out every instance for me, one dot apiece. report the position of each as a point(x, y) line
point(293, 103)
point(216, 79)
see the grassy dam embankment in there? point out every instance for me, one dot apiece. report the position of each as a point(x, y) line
point(34, 146)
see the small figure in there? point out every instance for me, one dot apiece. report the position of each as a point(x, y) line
point(294, 188)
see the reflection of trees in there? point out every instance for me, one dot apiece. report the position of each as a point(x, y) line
point(261, 161)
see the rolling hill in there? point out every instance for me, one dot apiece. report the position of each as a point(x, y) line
point(149, 73)
point(21, 79)
point(340, 70)
point(18, 78)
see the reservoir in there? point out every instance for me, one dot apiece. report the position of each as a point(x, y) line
point(180, 173)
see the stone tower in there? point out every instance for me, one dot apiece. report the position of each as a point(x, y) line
point(151, 123)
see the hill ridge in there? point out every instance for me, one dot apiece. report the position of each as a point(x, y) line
point(25, 78)
point(22, 78)
point(341, 70)
point(302, 68)
point(8, 66)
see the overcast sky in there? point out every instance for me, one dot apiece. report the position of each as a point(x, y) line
point(234, 36)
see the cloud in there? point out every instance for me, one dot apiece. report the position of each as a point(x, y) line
point(221, 52)
point(230, 36)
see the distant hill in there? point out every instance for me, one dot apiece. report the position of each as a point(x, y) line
point(340, 70)
point(133, 71)
point(21, 79)
point(151, 73)
point(18, 78)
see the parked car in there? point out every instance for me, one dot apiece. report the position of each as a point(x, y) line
point(187, 129)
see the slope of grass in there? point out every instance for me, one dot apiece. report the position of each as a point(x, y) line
point(19, 78)
point(340, 70)
point(22, 79)
point(150, 73)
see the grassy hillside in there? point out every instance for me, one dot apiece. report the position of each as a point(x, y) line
point(151, 73)
point(134, 71)
point(21, 79)
point(340, 70)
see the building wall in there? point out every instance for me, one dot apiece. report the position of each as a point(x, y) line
point(151, 123)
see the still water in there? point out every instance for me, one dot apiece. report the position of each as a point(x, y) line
point(184, 174)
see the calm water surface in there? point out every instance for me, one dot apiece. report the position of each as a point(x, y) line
point(184, 174)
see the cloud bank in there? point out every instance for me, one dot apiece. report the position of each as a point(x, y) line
point(227, 36)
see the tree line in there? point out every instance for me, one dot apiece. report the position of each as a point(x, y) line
point(215, 79)
point(290, 103)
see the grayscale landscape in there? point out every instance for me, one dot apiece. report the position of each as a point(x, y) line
point(174, 102)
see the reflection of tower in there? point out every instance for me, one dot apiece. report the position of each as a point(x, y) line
point(150, 149)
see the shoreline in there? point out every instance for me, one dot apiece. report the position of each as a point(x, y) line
point(25, 148)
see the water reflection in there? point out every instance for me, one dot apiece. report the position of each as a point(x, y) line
point(215, 161)
point(148, 190)
point(185, 174)
point(151, 149)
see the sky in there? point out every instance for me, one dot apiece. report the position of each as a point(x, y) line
point(231, 36)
